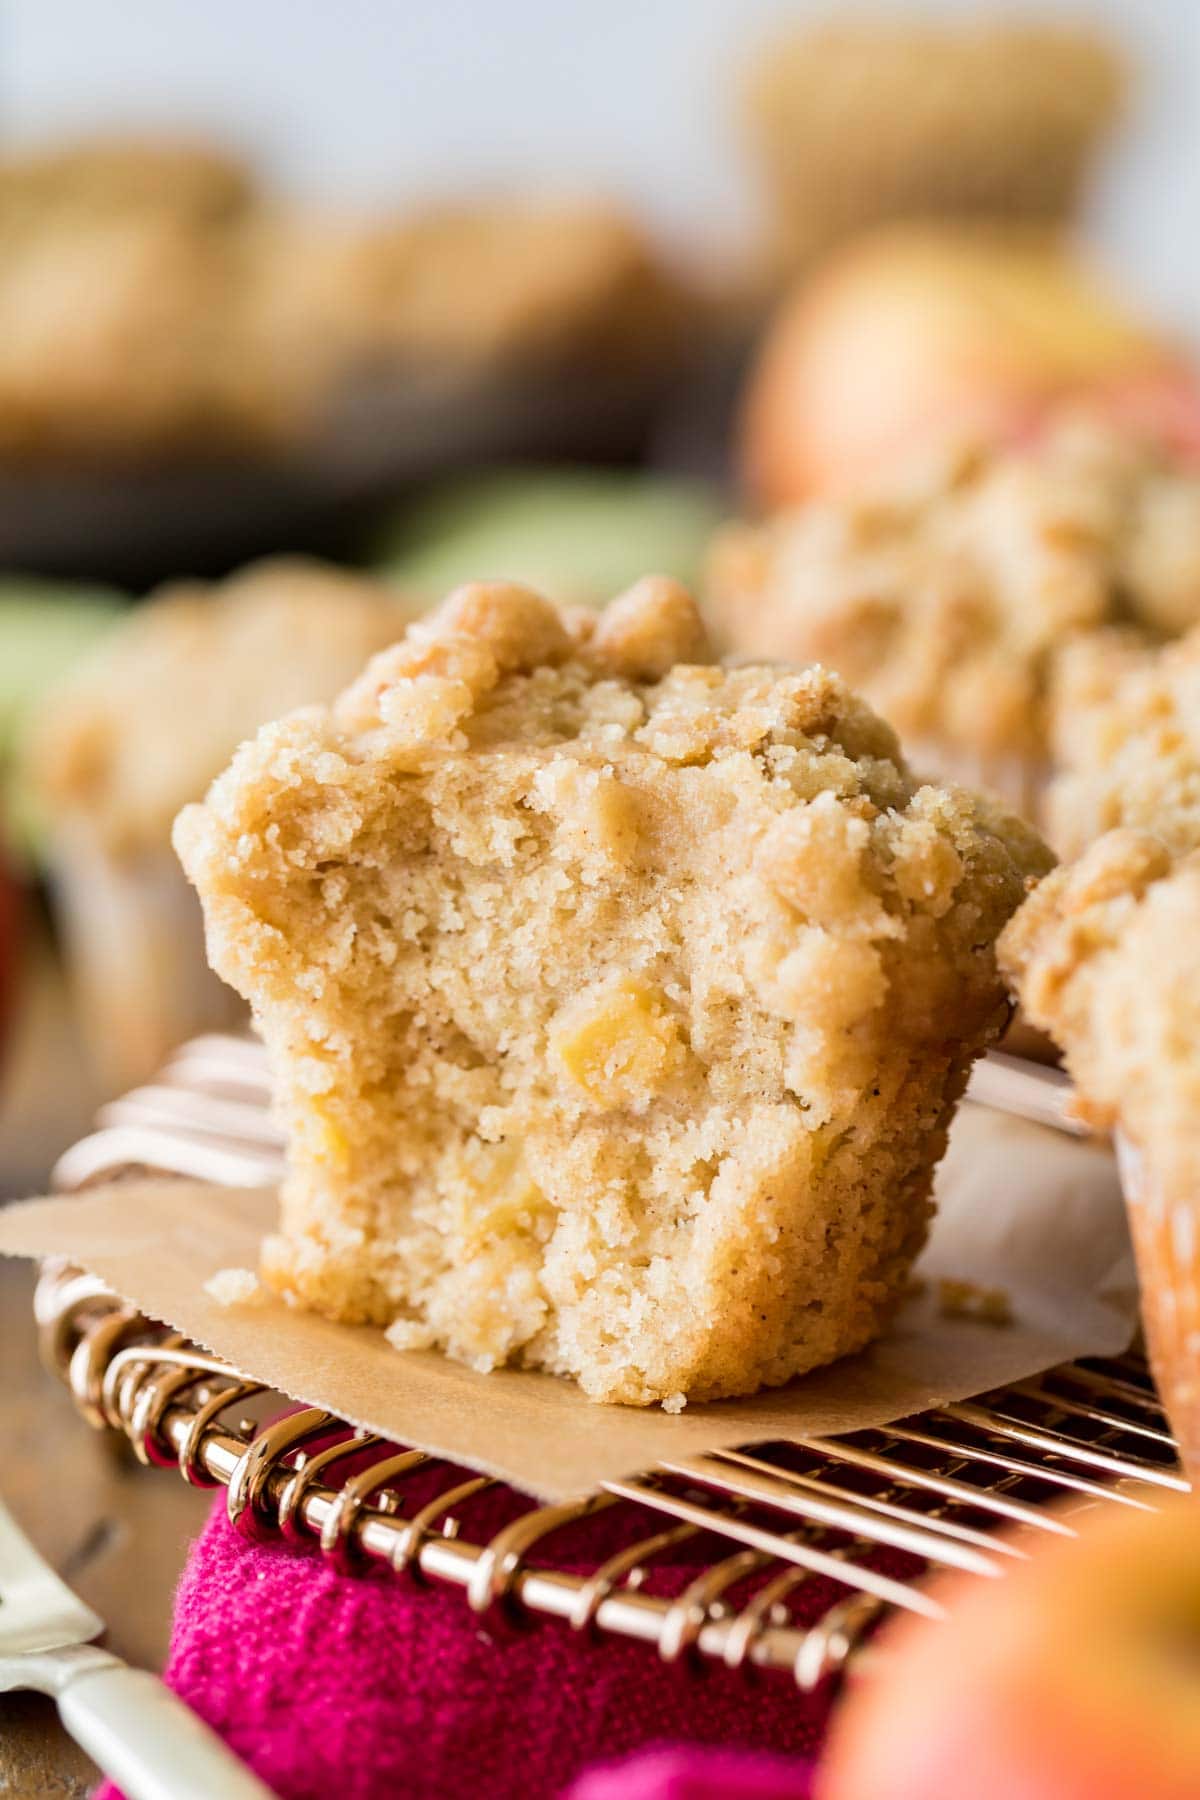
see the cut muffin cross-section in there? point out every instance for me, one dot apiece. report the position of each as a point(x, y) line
point(618, 1001)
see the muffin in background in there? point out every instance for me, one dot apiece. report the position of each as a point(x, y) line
point(1105, 956)
point(859, 121)
point(513, 278)
point(949, 598)
point(328, 308)
point(1125, 727)
point(115, 344)
point(118, 173)
point(159, 304)
point(141, 728)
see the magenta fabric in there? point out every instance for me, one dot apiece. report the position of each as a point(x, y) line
point(336, 1687)
point(687, 1773)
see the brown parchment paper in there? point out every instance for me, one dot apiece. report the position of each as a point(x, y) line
point(1021, 1206)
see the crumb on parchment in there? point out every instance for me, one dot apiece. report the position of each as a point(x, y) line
point(409, 1334)
point(968, 1300)
point(236, 1287)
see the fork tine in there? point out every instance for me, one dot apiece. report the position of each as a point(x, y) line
point(38, 1611)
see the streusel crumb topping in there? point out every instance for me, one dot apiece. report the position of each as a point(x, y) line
point(1126, 725)
point(948, 599)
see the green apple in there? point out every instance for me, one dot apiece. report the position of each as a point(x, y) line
point(578, 536)
point(45, 628)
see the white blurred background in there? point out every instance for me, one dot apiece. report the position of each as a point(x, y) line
point(370, 100)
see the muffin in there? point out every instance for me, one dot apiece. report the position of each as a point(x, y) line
point(1105, 956)
point(117, 298)
point(1125, 730)
point(141, 727)
point(467, 293)
point(949, 598)
point(512, 279)
point(618, 1001)
point(157, 304)
point(860, 121)
point(111, 173)
point(115, 344)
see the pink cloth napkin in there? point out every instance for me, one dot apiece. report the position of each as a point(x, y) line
point(690, 1774)
point(337, 1687)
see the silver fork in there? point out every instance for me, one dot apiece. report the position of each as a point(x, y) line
point(136, 1729)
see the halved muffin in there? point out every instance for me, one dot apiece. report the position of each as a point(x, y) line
point(618, 1001)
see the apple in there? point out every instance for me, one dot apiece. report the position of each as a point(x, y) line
point(1074, 1677)
point(1162, 407)
point(920, 334)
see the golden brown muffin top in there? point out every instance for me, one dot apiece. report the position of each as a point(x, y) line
point(590, 712)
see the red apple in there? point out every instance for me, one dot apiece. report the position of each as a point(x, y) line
point(1164, 408)
point(1075, 1677)
point(919, 334)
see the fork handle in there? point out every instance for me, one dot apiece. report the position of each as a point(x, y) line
point(151, 1744)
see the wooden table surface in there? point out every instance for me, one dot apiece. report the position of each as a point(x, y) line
point(117, 1532)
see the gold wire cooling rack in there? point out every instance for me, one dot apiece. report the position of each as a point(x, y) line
point(785, 1555)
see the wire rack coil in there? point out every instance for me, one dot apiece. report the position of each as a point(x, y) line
point(855, 1525)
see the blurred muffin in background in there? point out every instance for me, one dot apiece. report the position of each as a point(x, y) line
point(1105, 956)
point(860, 121)
point(111, 174)
point(577, 535)
point(513, 278)
point(141, 728)
point(919, 336)
point(156, 303)
point(950, 599)
point(499, 288)
point(115, 301)
point(115, 343)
